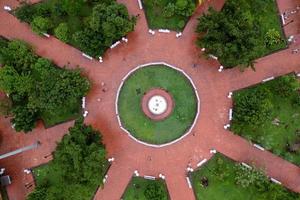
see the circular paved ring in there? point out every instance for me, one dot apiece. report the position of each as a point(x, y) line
point(157, 104)
point(117, 99)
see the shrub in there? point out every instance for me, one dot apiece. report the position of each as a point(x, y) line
point(40, 25)
point(154, 191)
point(62, 32)
point(24, 118)
point(245, 177)
point(272, 37)
point(185, 7)
point(181, 24)
point(25, 13)
point(252, 107)
point(285, 86)
point(169, 10)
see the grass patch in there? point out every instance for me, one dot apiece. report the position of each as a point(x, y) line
point(63, 114)
point(137, 187)
point(136, 122)
point(281, 131)
point(156, 18)
point(221, 174)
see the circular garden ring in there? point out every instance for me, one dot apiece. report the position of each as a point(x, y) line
point(175, 125)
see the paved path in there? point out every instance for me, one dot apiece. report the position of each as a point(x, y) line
point(172, 160)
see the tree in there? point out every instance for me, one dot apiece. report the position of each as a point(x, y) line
point(285, 86)
point(8, 76)
point(154, 191)
point(18, 55)
point(252, 107)
point(231, 34)
point(25, 12)
point(185, 7)
point(35, 85)
point(78, 167)
point(62, 32)
point(72, 7)
point(169, 10)
point(24, 118)
point(107, 24)
point(40, 25)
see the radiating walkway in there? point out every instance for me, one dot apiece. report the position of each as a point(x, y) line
point(172, 161)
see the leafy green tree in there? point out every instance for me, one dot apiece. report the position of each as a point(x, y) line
point(76, 151)
point(231, 34)
point(113, 21)
point(25, 12)
point(88, 42)
point(40, 25)
point(72, 7)
point(154, 191)
point(185, 7)
point(24, 118)
point(169, 10)
point(18, 55)
point(252, 107)
point(37, 86)
point(286, 86)
point(107, 24)
point(62, 32)
point(8, 76)
point(78, 167)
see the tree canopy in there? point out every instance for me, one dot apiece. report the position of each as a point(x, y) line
point(90, 25)
point(241, 32)
point(77, 169)
point(36, 85)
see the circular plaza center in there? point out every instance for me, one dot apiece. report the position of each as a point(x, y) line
point(157, 104)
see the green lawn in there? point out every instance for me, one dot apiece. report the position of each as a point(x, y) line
point(272, 136)
point(269, 17)
point(221, 172)
point(136, 122)
point(156, 19)
point(137, 186)
point(66, 113)
point(46, 174)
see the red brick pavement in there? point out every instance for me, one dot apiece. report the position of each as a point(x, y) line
point(172, 161)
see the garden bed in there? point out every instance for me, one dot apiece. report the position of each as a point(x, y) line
point(242, 32)
point(275, 122)
point(221, 178)
point(37, 88)
point(90, 26)
point(164, 14)
point(138, 187)
point(78, 167)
